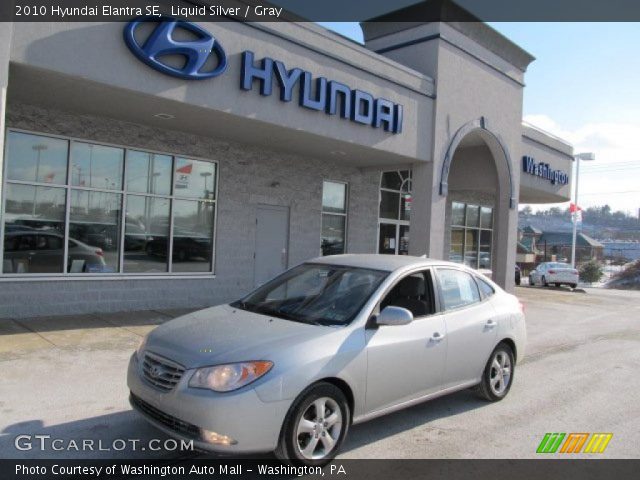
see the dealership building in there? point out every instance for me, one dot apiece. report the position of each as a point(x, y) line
point(179, 164)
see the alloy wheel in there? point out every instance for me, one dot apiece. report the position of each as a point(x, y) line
point(500, 374)
point(319, 428)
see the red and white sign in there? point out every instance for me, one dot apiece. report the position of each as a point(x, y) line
point(183, 174)
point(576, 213)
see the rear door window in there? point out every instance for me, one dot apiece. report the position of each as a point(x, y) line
point(485, 288)
point(11, 243)
point(26, 242)
point(458, 288)
point(49, 242)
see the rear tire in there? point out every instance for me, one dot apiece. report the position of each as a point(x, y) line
point(531, 282)
point(497, 377)
point(311, 437)
point(573, 285)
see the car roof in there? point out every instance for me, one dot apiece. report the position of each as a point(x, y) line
point(387, 263)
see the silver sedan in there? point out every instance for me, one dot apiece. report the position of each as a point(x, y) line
point(332, 342)
point(554, 273)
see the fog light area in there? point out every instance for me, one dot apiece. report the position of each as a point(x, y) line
point(216, 438)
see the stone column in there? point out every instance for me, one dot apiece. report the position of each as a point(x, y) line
point(428, 209)
point(6, 32)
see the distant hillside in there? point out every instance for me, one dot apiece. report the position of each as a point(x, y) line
point(628, 279)
point(598, 222)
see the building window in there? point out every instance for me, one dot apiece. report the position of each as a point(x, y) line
point(395, 212)
point(334, 218)
point(471, 235)
point(74, 207)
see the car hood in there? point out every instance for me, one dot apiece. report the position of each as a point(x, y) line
point(224, 334)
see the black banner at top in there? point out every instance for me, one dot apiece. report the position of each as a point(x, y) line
point(324, 10)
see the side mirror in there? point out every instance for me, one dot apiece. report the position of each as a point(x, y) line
point(394, 316)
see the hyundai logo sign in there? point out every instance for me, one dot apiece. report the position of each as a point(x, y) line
point(311, 92)
point(160, 43)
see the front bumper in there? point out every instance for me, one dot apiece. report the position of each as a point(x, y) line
point(184, 412)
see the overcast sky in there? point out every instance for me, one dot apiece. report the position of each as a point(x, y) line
point(584, 86)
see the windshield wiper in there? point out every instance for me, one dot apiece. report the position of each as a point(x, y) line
point(312, 322)
point(242, 305)
point(264, 310)
point(286, 316)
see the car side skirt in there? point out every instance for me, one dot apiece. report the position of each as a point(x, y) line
point(409, 403)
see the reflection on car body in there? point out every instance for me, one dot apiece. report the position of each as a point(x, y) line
point(36, 251)
point(185, 247)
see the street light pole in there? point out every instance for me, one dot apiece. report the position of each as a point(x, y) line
point(38, 149)
point(201, 212)
point(587, 156)
point(206, 175)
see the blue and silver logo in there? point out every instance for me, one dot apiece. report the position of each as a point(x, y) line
point(156, 371)
point(160, 43)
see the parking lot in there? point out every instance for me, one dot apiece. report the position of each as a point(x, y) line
point(65, 377)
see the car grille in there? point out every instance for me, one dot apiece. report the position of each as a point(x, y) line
point(161, 372)
point(169, 421)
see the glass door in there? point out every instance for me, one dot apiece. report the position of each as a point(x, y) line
point(394, 213)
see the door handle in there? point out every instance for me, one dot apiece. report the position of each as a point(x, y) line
point(437, 337)
point(491, 323)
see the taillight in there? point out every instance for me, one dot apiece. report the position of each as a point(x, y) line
point(552, 272)
point(99, 252)
point(521, 306)
point(575, 272)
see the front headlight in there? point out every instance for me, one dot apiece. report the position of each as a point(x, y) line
point(225, 378)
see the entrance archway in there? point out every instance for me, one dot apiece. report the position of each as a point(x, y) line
point(477, 181)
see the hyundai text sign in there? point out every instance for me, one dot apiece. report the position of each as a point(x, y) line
point(334, 98)
point(543, 170)
point(205, 58)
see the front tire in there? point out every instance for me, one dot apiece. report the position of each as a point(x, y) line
point(544, 281)
point(315, 426)
point(498, 374)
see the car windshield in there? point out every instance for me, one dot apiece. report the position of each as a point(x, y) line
point(315, 293)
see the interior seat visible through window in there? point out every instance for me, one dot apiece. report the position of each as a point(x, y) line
point(413, 293)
